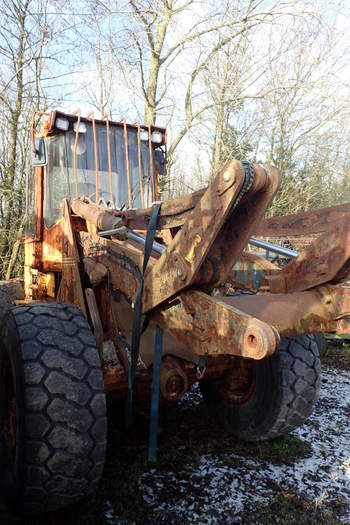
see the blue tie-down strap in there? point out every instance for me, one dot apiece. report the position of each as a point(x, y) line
point(136, 325)
point(153, 428)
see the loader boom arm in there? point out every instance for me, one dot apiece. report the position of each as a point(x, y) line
point(216, 225)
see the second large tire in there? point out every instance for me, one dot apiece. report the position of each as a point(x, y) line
point(52, 408)
point(283, 394)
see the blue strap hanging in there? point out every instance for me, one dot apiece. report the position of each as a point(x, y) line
point(153, 429)
point(136, 326)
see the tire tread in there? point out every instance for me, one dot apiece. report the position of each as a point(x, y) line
point(61, 452)
point(296, 370)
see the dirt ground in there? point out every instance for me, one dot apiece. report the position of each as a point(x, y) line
point(203, 476)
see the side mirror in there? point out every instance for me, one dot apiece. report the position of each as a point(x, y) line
point(39, 157)
point(160, 161)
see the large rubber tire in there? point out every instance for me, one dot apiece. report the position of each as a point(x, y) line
point(60, 418)
point(285, 391)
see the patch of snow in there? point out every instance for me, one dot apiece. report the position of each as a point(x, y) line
point(220, 488)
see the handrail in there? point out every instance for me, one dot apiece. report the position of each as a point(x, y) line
point(92, 118)
point(127, 162)
point(140, 164)
point(76, 112)
point(151, 163)
point(109, 158)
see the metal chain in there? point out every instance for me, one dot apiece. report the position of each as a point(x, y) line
point(247, 184)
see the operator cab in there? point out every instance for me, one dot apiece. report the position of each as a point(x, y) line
point(114, 164)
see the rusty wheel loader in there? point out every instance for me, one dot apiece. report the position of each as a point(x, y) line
point(120, 287)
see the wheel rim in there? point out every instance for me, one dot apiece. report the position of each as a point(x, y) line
point(237, 385)
point(9, 404)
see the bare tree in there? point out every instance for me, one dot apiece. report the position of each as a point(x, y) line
point(101, 47)
point(24, 33)
point(280, 98)
point(13, 47)
point(299, 112)
point(165, 47)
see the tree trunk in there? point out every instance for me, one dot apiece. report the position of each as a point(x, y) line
point(151, 103)
point(14, 121)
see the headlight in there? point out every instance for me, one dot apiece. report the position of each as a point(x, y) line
point(82, 127)
point(157, 137)
point(62, 124)
point(143, 134)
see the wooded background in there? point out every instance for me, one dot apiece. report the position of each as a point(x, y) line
point(261, 80)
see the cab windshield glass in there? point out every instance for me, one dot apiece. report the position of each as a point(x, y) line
point(61, 182)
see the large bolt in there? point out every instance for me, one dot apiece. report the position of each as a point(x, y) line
point(181, 269)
